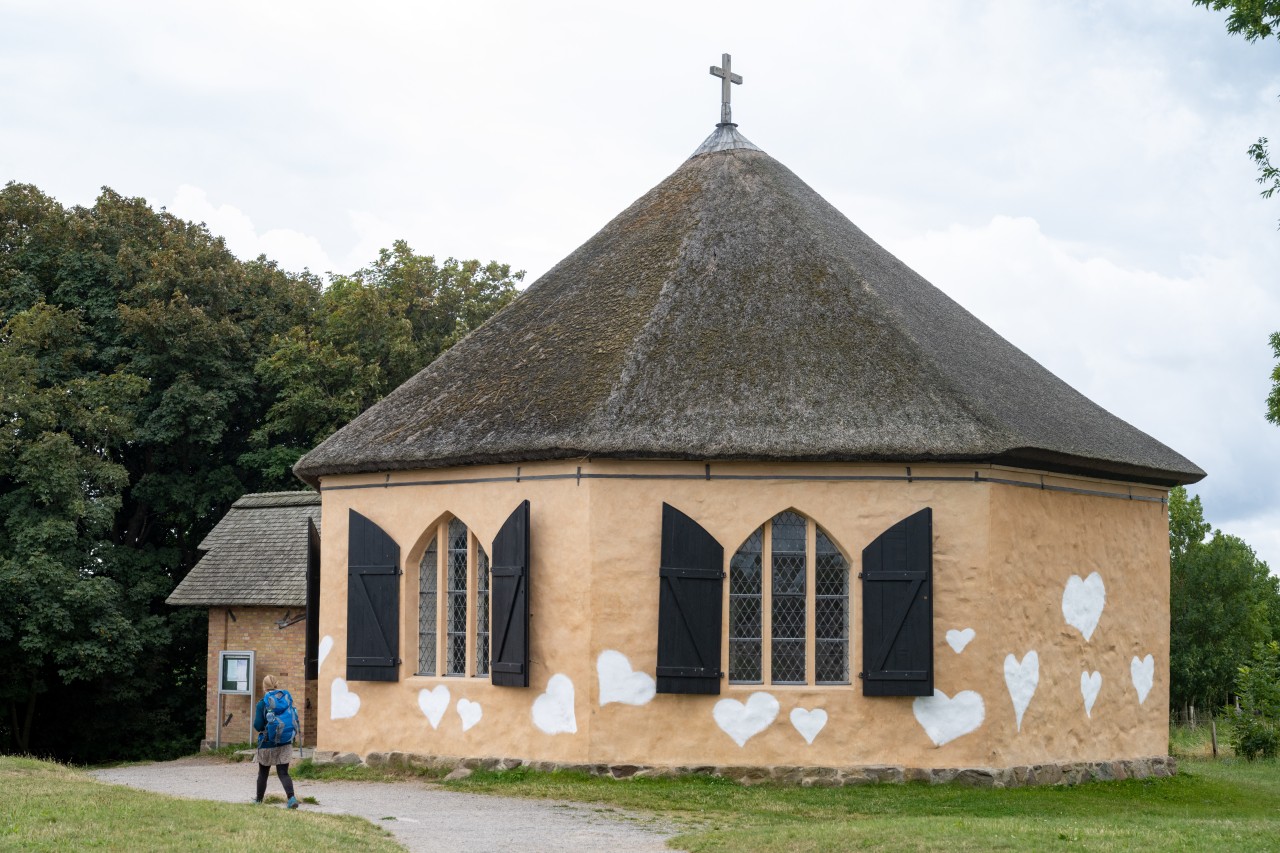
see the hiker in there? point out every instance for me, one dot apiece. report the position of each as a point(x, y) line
point(276, 721)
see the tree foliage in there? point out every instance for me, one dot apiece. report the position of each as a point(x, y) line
point(1223, 602)
point(1256, 731)
point(148, 378)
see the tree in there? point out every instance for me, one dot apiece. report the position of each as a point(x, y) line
point(62, 616)
point(130, 342)
point(1223, 601)
point(148, 378)
point(374, 329)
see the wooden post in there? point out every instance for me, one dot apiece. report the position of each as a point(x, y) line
point(1213, 735)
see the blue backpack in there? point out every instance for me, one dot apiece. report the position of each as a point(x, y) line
point(282, 719)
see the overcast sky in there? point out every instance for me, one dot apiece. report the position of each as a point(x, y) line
point(1073, 173)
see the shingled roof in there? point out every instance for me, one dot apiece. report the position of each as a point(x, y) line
point(731, 313)
point(256, 555)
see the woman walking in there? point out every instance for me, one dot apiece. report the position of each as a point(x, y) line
point(276, 722)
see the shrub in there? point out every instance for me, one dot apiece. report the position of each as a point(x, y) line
point(1256, 732)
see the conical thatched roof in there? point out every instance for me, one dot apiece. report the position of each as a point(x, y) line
point(732, 313)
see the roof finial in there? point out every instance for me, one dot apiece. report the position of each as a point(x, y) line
point(726, 76)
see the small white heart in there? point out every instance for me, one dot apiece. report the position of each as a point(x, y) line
point(553, 711)
point(1090, 684)
point(1143, 673)
point(343, 704)
point(945, 719)
point(808, 723)
point(1082, 603)
point(957, 640)
point(1022, 679)
point(619, 683)
point(434, 703)
point(470, 713)
point(743, 721)
point(326, 646)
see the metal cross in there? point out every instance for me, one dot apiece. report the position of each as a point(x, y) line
point(726, 76)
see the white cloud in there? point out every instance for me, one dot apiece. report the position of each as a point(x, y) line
point(291, 249)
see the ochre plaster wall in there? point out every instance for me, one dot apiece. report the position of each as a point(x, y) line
point(278, 651)
point(1003, 556)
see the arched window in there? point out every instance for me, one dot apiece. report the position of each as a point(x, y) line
point(453, 604)
point(789, 606)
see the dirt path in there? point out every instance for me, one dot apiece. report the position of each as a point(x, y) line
point(426, 817)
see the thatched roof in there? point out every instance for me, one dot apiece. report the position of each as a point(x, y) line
point(732, 313)
point(257, 554)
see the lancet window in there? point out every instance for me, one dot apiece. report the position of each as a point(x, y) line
point(789, 606)
point(453, 603)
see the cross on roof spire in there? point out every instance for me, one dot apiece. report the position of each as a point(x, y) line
point(726, 76)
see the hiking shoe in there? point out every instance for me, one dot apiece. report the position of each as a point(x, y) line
point(293, 803)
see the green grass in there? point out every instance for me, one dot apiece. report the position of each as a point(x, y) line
point(46, 806)
point(1208, 806)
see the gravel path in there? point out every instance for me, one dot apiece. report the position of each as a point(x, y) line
point(427, 818)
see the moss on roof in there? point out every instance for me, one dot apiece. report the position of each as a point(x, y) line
point(732, 313)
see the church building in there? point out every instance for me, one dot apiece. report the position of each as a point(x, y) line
point(733, 487)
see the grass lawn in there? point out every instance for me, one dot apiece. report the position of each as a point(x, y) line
point(45, 806)
point(1209, 806)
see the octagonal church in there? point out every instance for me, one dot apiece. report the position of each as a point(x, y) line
point(733, 487)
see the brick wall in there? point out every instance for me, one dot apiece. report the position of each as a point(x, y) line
point(278, 651)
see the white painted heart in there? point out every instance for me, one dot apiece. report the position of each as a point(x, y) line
point(1082, 603)
point(808, 723)
point(743, 721)
point(1090, 684)
point(470, 712)
point(957, 640)
point(553, 710)
point(343, 704)
point(945, 719)
point(326, 646)
point(619, 683)
point(434, 703)
point(1022, 680)
point(1143, 673)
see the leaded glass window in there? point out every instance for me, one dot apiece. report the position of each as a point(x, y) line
point(453, 603)
point(745, 597)
point(456, 602)
point(482, 611)
point(831, 613)
point(428, 577)
point(789, 606)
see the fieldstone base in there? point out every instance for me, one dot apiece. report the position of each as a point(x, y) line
point(1072, 773)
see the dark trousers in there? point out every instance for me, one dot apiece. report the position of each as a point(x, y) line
point(282, 770)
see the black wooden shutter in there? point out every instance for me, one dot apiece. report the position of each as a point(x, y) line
point(691, 581)
point(312, 650)
point(509, 594)
point(897, 609)
point(373, 602)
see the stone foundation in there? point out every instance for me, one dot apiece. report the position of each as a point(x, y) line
point(1071, 773)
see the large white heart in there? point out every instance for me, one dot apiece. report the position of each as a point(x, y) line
point(944, 720)
point(470, 713)
point(326, 646)
point(808, 723)
point(434, 703)
point(1143, 673)
point(619, 683)
point(1022, 680)
point(744, 721)
point(343, 704)
point(1090, 684)
point(1082, 603)
point(957, 640)
point(553, 710)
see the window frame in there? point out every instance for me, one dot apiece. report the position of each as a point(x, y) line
point(765, 528)
point(438, 535)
